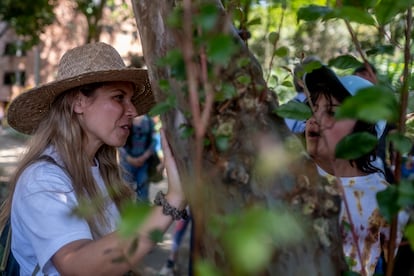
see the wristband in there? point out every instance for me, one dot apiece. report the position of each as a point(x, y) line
point(167, 209)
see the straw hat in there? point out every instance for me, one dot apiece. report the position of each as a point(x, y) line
point(90, 63)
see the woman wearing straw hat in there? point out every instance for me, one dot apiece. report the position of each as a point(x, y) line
point(77, 122)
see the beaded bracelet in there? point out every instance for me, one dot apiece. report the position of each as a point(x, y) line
point(167, 209)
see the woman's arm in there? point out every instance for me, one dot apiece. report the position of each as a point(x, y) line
point(112, 255)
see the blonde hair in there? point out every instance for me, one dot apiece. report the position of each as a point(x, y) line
point(61, 129)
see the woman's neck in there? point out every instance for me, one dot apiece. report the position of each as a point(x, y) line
point(340, 168)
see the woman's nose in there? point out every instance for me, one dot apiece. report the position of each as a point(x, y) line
point(312, 119)
point(131, 111)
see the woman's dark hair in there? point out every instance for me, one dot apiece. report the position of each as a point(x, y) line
point(364, 163)
point(89, 89)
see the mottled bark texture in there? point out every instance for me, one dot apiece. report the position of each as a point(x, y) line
point(232, 179)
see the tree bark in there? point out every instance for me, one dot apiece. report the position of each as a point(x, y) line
point(224, 182)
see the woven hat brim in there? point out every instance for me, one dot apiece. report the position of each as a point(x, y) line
point(28, 109)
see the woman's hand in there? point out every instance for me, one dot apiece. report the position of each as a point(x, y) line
point(175, 195)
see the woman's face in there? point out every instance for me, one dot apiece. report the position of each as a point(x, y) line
point(323, 132)
point(106, 117)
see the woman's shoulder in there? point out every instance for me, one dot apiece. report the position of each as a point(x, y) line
point(43, 175)
point(372, 181)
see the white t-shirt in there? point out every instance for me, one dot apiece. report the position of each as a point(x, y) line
point(41, 215)
point(360, 194)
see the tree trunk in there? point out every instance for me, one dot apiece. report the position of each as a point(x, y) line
point(228, 180)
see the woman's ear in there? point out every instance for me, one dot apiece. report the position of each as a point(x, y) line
point(79, 104)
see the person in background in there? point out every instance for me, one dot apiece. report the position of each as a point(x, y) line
point(367, 71)
point(297, 126)
point(135, 154)
point(76, 124)
point(170, 268)
point(359, 180)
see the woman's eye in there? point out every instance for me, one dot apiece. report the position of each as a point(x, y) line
point(119, 97)
point(331, 112)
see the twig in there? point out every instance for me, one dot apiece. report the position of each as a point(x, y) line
point(275, 45)
point(401, 129)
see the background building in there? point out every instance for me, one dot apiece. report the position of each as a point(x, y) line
point(21, 70)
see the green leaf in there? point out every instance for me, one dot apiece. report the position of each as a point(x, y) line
point(244, 79)
point(242, 62)
point(175, 20)
point(174, 60)
point(386, 10)
point(186, 131)
point(350, 273)
point(226, 92)
point(352, 14)
point(252, 235)
point(163, 107)
point(220, 49)
point(401, 143)
point(405, 193)
point(344, 62)
point(409, 127)
point(381, 50)
point(164, 85)
point(312, 12)
point(370, 104)
point(310, 66)
point(355, 145)
point(387, 202)
point(294, 110)
point(273, 37)
point(409, 233)
point(205, 268)
point(282, 51)
point(238, 14)
point(307, 68)
point(28, 19)
point(156, 236)
point(254, 21)
point(287, 83)
point(222, 142)
point(360, 3)
point(132, 216)
point(207, 17)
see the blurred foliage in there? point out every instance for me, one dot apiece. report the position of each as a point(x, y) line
point(294, 110)
point(259, 230)
point(133, 215)
point(27, 18)
point(370, 104)
point(315, 28)
point(355, 145)
point(93, 12)
point(30, 18)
